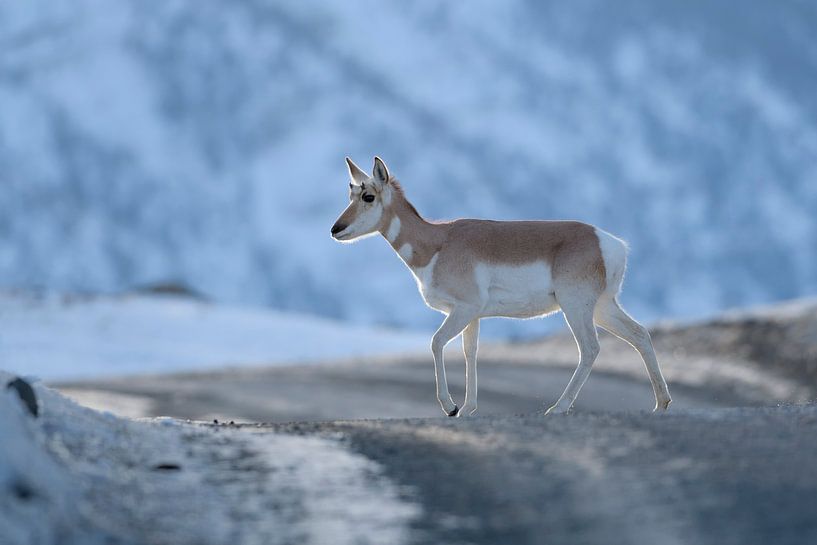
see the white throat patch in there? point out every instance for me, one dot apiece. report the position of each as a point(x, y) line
point(394, 230)
point(406, 252)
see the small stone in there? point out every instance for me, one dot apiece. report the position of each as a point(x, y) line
point(22, 490)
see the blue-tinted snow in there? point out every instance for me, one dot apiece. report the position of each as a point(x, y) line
point(56, 338)
point(204, 144)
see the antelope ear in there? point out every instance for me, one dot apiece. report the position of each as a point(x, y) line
point(380, 172)
point(357, 176)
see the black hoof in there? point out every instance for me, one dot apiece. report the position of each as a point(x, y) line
point(454, 411)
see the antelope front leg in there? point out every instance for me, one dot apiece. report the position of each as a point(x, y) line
point(470, 343)
point(452, 326)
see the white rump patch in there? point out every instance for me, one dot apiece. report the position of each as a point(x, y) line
point(614, 254)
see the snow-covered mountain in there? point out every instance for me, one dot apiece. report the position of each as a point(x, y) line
point(203, 142)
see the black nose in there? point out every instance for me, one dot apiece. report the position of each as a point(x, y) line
point(337, 228)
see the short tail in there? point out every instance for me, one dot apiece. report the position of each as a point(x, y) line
point(614, 253)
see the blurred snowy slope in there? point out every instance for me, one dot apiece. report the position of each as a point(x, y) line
point(59, 338)
point(203, 143)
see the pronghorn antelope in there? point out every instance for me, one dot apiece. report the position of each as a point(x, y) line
point(470, 269)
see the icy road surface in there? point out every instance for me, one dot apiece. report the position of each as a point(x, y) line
point(704, 476)
point(78, 477)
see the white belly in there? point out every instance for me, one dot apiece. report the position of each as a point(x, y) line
point(516, 291)
point(513, 291)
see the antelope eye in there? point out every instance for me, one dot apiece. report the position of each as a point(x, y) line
point(368, 198)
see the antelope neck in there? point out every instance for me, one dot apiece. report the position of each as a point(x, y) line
point(414, 239)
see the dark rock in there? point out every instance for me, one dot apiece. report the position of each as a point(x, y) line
point(22, 490)
point(26, 394)
point(178, 289)
point(167, 467)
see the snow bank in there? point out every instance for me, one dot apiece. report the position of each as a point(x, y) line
point(75, 476)
point(61, 338)
point(33, 487)
point(84, 475)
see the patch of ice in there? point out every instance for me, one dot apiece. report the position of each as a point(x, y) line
point(343, 496)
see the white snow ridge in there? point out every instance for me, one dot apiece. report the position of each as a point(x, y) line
point(74, 476)
point(55, 337)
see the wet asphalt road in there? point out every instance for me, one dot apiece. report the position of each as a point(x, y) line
point(374, 389)
point(611, 472)
point(701, 476)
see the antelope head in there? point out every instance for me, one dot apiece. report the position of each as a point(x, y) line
point(369, 200)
